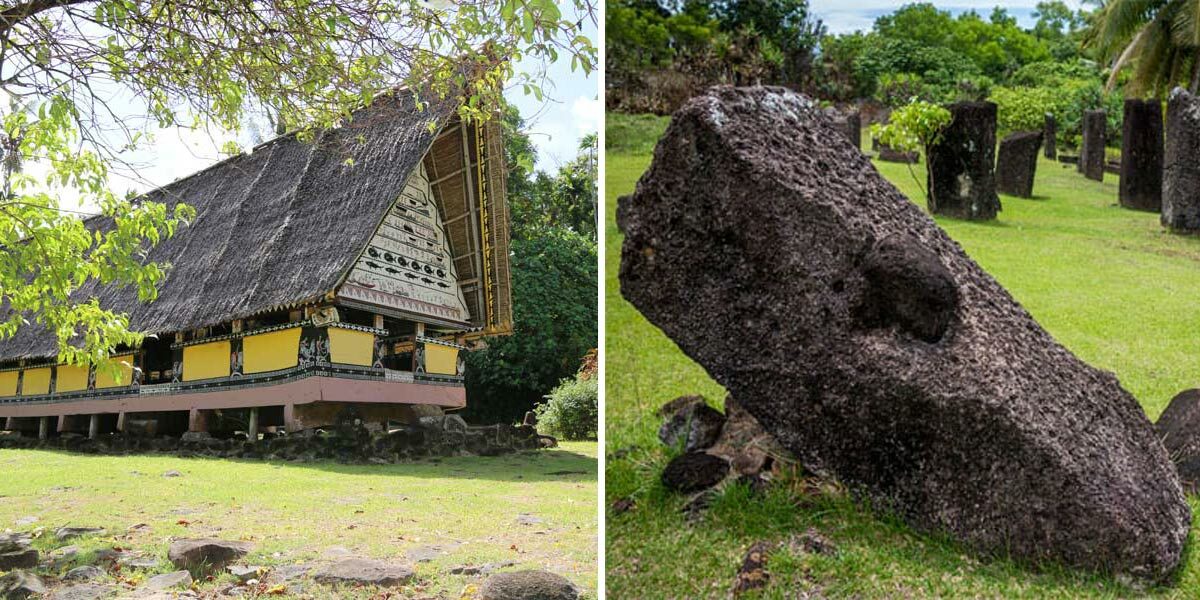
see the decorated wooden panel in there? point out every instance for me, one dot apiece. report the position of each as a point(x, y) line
point(124, 378)
point(271, 351)
point(349, 347)
point(37, 382)
point(71, 378)
point(206, 361)
point(408, 264)
point(8, 383)
point(441, 360)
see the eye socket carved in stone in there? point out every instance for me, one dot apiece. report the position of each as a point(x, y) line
point(907, 287)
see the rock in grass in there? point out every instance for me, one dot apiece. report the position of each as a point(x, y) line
point(84, 573)
point(1179, 428)
point(63, 534)
point(167, 581)
point(82, 591)
point(1016, 163)
point(528, 585)
point(206, 555)
point(867, 342)
point(752, 575)
point(694, 471)
point(18, 557)
point(362, 571)
point(695, 426)
point(19, 585)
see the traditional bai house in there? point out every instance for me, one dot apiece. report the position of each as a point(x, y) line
point(342, 276)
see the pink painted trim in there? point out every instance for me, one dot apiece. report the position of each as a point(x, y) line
point(301, 391)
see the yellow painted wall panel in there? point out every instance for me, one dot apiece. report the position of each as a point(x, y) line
point(270, 351)
point(206, 361)
point(442, 360)
point(71, 378)
point(125, 379)
point(8, 383)
point(349, 347)
point(37, 382)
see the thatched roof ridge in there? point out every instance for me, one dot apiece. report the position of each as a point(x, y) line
point(275, 227)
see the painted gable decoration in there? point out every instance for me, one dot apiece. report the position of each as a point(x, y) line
point(407, 264)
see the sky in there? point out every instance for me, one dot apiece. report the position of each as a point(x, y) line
point(844, 16)
point(570, 110)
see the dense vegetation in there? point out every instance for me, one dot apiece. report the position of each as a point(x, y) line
point(554, 279)
point(664, 51)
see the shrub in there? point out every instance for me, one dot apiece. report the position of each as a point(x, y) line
point(571, 411)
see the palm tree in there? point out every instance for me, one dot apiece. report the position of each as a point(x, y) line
point(1159, 38)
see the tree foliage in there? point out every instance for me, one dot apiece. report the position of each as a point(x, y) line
point(197, 63)
point(1159, 40)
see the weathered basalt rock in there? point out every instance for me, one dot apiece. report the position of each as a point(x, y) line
point(1181, 170)
point(1016, 163)
point(1049, 135)
point(1179, 428)
point(962, 180)
point(768, 253)
point(1142, 155)
point(695, 426)
point(206, 555)
point(19, 585)
point(1091, 153)
point(889, 154)
point(362, 571)
point(528, 585)
point(694, 471)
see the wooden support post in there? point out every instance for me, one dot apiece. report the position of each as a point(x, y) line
point(420, 329)
point(289, 418)
point(121, 422)
point(43, 428)
point(62, 423)
point(378, 321)
point(10, 424)
point(94, 427)
point(237, 325)
point(252, 429)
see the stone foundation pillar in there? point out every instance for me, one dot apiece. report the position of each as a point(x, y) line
point(252, 428)
point(93, 427)
point(44, 428)
point(10, 424)
point(1049, 134)
point(1016, 164)
point(962, 182)
point(1142, 155)
point(197, 421)
point(1091, 154)
point(1181, 167)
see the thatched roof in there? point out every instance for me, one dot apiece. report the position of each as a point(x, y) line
point(279, 226)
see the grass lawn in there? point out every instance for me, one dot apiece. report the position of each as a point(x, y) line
point(465, 510)
point(1108, 283)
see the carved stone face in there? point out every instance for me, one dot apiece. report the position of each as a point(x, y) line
point(860, 335)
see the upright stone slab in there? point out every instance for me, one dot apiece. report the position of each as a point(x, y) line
point(1016, 164)
point(1050, 134)
point(1091, 154)
point(961, 179)
point(1181, 166)
point(1142, 155)
point(854, 129)
point(867, 342)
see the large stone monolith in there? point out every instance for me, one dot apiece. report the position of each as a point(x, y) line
point(962, 182)
point(1050, 132)
point(1142, 155)
point(1091, 152)
point(867, 342)
point(1016, 163)
point(1181, 167)
point(854, 129)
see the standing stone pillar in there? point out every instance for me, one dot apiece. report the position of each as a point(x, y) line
point(854, 129)
point(1142, 155)
point(1050, 133)
point(44, 428)
point(1016, 164)
point(252, 428)
point(961, 179)
point(197, 421)
point(94, 427)
point(1091, 155)
point(1181, 165)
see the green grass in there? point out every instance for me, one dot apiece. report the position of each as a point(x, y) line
point(295, 513)
point(1106, 282)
